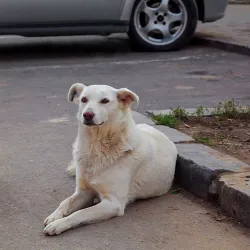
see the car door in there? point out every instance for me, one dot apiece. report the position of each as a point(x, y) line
point(18, 12)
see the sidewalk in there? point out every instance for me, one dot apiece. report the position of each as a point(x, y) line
point(231, 33)
point(33, 182)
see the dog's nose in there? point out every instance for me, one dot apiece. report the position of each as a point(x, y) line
point(88, 116)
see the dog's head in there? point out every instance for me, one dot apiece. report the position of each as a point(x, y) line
point(101, 104)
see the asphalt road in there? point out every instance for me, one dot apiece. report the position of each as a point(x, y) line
point(187, 78)
point(38, 126)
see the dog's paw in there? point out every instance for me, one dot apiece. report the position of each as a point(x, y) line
point(56, 215)
point(57, 227)
point(71, 169)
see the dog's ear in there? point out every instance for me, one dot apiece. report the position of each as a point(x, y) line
point(126, 97)
point(75, 92)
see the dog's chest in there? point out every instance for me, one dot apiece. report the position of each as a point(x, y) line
point(95, 157)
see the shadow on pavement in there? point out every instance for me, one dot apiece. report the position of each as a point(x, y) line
point(34, 48)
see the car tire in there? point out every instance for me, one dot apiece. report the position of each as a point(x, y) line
point(163, 15)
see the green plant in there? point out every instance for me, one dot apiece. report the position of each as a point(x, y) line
point(166, 120)
point(203, 139)
point(200, 111)
point(245, 110)
point(179, 113)
point(220, 137)
point(230, 109)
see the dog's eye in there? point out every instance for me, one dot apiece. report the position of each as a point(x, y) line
point(104, 101)
point(84, 100)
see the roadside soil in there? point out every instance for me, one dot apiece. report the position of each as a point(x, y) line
point(231, 136)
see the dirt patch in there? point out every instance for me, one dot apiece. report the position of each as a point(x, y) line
point(231, 136)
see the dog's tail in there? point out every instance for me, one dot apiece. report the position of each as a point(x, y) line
point(71, 169)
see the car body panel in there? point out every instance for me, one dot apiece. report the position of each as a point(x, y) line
point(77, 17)
point(53, 11)
point(214, 9)
point(127, 10)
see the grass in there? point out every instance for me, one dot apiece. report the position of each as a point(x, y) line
point(201, 111)
point(179, 113)
point(203, 139)
point(230, 109)
point(220, 137)
point(227, 109)
point(172, 120)
point(166, 120)
point(222, 128)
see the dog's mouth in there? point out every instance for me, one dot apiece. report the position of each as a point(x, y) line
point(91, 124)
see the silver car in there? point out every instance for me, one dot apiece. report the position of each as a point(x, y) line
point(155, 25)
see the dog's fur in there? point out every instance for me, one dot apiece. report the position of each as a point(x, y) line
point(115, 160)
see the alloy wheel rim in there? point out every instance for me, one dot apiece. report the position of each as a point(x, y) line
point(160, 22)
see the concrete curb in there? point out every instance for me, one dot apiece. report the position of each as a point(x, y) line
point(239, 2)
point(189, 111)
point(212, 175)
point(206, 112)
point(234, 189)
point(219, 44)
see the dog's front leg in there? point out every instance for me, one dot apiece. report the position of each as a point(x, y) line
point(80, 199)
point(106, 209)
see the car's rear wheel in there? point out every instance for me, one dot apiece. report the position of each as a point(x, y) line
point(162, 25)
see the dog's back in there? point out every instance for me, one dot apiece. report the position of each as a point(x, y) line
point(155, 178)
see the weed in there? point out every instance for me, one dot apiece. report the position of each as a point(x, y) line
point(203, 139)
point(230, 109)
point(226, 109)
point(220, 137)
point(179, 113)
point(175, 191)
point(200, 111)
point(167, 120)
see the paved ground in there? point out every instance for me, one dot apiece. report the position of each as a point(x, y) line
point(186, 78)
point(32, 183)
point(234, 28)
point(37, 127)
point(238, 1)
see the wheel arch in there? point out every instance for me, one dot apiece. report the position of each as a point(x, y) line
point(127, 8)
point(201, 9)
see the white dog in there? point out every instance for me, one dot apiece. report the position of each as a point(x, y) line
point(116, 160)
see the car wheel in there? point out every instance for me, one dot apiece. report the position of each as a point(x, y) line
point(162, 25)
